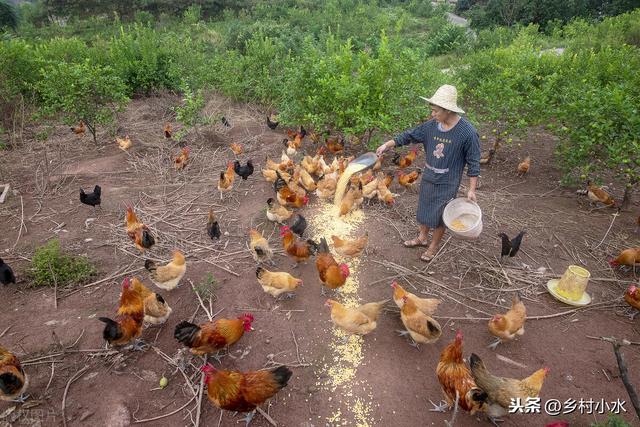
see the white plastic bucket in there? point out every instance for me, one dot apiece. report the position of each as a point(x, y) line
point(463, 218)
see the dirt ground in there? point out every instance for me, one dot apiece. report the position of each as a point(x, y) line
point(376, 380)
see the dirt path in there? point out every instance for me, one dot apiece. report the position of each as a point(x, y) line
point(376, 380)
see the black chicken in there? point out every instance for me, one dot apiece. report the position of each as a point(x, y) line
point(213, 228)
point(272, 125)
point(91, 199)
point(299, 225)
point(396, 158)
point(6, 274)
point(511, 247)
point(279, 183)
point(243, 171)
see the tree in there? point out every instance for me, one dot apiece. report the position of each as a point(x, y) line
point(87, 92)
point(8, 15)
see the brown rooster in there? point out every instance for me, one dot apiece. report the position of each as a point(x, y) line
point(456, 380)
point(128, 324)
point(212, 336)
point(244, 391)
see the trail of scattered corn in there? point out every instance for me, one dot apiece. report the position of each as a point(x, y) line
point(347, 354)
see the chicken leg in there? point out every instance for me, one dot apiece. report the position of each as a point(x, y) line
point(247, 419)
point(494, 344)
point(440, 407)
point(21, 399)
point(138, 345)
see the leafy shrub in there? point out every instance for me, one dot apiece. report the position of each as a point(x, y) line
point(85, 91)
point(141, 60)
point(50, 265)
point(143, 17)
point(588, 97)
point(59, 49)
point(192, 15)
point(612, 421)
point(446, 39)
point(18, 75)
point(8, 15)
point(189, 113)
point(356, 92)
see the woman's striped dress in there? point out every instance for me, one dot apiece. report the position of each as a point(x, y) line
point(447, 153)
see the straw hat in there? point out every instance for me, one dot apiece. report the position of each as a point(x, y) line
point(570, 288)
point(446, 97)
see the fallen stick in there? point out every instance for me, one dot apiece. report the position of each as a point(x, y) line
point(136, 421)
point(266, 416)
point(624, 373)
point(4, 192)
point(615, 215)
point(200, 393)
point(455, 411)
point(114, 276)
point(75, 376)
point(5, 331)
point(22, 224)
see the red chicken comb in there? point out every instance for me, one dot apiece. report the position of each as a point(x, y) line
point(546, 370)
point(248, 317)
point(284, 228)
point(207, 368)
point(459, 335)
point(633, 289)
point(126, 283)
point(394, 284)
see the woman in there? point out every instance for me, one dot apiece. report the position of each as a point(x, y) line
point(450, 142)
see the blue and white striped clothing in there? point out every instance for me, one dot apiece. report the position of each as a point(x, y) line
point(448, 151)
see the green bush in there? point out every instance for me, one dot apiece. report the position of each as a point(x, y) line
point(85, 91)
point(446, 39)
point(588, 96)
point(612, 421)
point(50, 265)
point(353, 91)
point(141, 60)
point(190, 112)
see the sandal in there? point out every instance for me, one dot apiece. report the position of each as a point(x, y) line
point(427, 257)
point(414, 242)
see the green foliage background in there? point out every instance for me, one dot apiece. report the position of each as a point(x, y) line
point(352, 66)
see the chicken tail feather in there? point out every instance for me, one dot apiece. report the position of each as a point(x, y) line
point(186, 333)
point(112, 330)
point(476, 364)
point(315, 248)
point(10, 383)
point(281, 374)
point(323, 247)
point(147, 239)
point(150, 265)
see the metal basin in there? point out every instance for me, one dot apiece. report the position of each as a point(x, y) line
point(366, 159)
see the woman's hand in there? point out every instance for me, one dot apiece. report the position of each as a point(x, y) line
point(381, 149)
point(471, 195)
